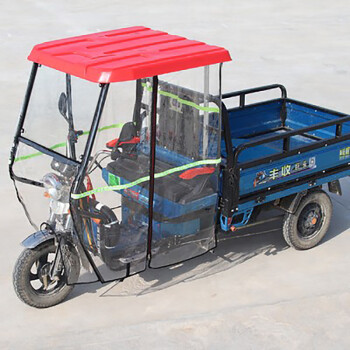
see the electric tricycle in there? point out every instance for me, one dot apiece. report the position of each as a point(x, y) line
point(142, 165)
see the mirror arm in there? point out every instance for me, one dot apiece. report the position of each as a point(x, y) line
point(72, 135)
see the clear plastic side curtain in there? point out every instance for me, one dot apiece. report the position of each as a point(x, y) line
point(112, 221)
point(113, 231)
point(187, 159)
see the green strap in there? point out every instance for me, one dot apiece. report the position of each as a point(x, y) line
point(64, 144)
point(181, 100)
point(145, 178)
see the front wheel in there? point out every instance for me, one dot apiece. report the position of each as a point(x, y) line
point(308, 225)
point(31, 275)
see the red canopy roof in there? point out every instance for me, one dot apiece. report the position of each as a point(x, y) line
point(125, 54)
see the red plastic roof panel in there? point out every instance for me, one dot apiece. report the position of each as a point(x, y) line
point(125, 54)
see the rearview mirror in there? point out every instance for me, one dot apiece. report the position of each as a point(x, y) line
point(62, 105)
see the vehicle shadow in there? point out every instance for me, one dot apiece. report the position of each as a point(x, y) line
point(340, 221)
point(264, 237)
point(232, 249)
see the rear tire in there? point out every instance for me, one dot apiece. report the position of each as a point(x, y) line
point(309, 224)
point(28, 271)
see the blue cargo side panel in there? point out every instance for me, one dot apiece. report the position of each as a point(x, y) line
point(302, 115)
point(255, 118)
point(290, 168)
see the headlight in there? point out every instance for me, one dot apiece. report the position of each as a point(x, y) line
point(54, 186)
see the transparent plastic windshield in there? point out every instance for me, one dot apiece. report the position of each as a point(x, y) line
point(56, 99)
point(101, 226)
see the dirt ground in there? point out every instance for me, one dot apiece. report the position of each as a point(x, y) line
point(252, 292)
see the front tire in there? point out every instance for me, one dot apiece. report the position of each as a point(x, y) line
point(309, 224)
point(30, 278)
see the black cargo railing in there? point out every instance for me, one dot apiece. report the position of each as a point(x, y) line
point(242, 93)
point(286, 136)
point(285, 152)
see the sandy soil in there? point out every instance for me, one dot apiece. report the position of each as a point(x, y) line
point(252, 292)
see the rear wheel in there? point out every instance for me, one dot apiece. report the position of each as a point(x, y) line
point(31, 275)
point(308, 225)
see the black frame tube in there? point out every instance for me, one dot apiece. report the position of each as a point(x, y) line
point(137, 109)
point(23, 115)
point(83, 166)
point(18, 132)
point(61, 158)
point(152, 165)
point(228, 175)
point(243, 93)
point(91, 138)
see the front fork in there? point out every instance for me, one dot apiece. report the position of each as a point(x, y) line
point(61, 241)
point(60, 237)
point(58, 264)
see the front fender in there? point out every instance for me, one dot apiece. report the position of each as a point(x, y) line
point(37, 238)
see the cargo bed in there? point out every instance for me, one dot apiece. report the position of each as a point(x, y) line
point(275, 146)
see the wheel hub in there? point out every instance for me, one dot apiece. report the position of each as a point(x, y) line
point(310, 220)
